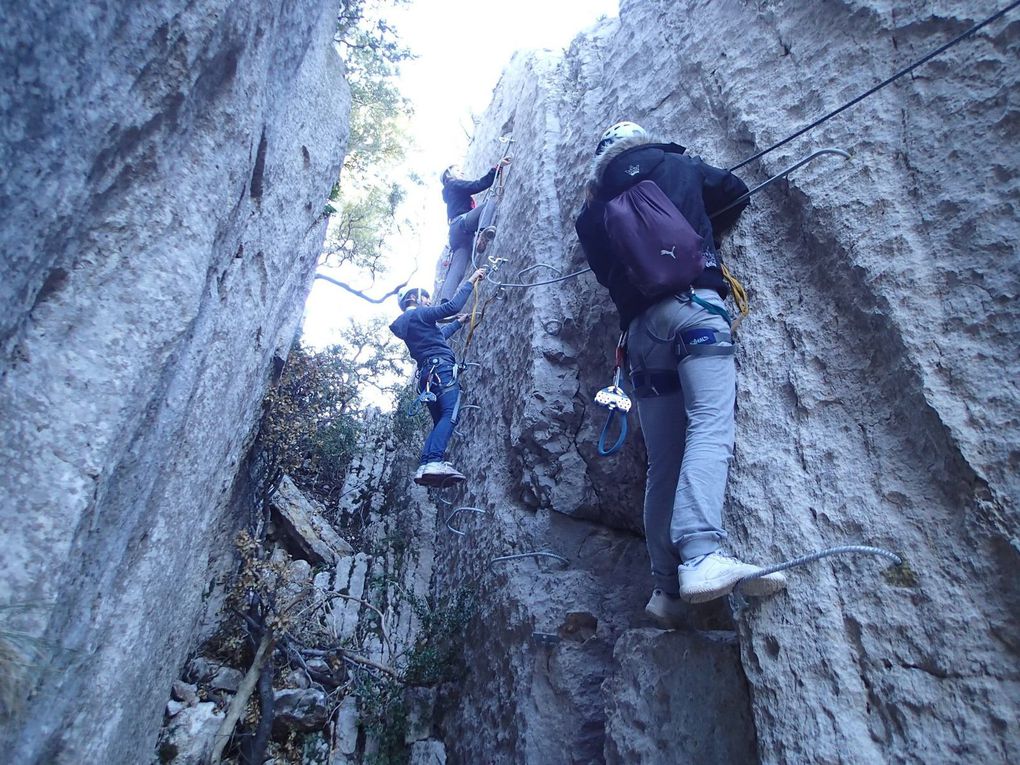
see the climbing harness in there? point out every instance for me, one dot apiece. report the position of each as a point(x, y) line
point(615, 400)
point(692, 341)
point(427, 395)
point(876, 88)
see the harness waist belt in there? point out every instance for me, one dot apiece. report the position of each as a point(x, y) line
point(654, 382)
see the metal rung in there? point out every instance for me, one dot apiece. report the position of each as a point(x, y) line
point(449, 518)
point(539, 554)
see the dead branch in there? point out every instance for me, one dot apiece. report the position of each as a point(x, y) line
point(240, 700)
point(361, 294)
point(356, 658)
point(331, 596)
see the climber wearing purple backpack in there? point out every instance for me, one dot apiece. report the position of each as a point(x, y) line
point(646, 231)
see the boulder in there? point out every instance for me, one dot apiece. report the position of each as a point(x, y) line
point(188, 739)
point(164, 172)
point(184, 692)
point(227, 679)
point(301, 709)
point(301, 521)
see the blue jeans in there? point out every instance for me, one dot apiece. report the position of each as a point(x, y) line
point(443, 410)
point(688, 436)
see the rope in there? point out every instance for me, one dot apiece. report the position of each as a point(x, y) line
point(738, 292)
point(876, 88)
point(474, 320)
point(829, 551)
point(539, 284)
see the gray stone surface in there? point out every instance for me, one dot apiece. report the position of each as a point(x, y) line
point(677, 697)
point(164, 171)
point(188, 739)
point(877, 385)
point(226, 679)
point(184, 692)
point(345, 734)
point(429, 752)
point(300, 709)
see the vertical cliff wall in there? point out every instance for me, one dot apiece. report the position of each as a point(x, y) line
point(877, 402)
point(164, 167)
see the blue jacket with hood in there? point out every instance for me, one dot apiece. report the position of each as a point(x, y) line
point(424, 338)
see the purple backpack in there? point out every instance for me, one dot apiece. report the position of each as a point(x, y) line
point(655, 244)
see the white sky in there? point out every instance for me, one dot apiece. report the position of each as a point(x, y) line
point(462, 48)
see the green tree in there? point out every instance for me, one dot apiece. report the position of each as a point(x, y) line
point(311, 425)
point(372, 180)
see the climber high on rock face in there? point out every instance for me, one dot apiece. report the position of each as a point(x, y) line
point(465, 219)
point(437, 371)
point(680, 354)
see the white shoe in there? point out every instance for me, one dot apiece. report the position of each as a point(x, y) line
point(418, 474)
point(714, 575)
point(669, 612)
point(440, 474)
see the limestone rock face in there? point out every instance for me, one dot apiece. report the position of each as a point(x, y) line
point(677, 697)
point(164, 171)
point(877, 397)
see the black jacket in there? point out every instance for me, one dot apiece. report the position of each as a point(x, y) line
point(457, 193)
point(418, 329)
point(696, 188)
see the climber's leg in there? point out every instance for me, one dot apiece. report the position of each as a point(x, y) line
point(708, 384)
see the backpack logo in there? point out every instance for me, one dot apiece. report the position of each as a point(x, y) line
point(633, 170)
point(654, 244)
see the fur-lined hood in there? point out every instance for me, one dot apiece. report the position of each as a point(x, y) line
point(599, 163)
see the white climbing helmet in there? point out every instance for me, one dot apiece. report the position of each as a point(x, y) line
point(406, 295)
point(617, 132)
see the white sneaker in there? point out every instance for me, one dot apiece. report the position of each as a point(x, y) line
point(440, 474)
point(714, 575)
point(669, 612)
point(418, 474)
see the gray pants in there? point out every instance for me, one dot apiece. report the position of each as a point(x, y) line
point(688, 436)
point(462, 235)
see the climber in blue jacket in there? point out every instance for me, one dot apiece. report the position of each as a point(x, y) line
point(681, 359)
point(436, 376)
point(465, 218)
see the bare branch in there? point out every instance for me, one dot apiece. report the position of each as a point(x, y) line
point(361, 294)
point(238, 703)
